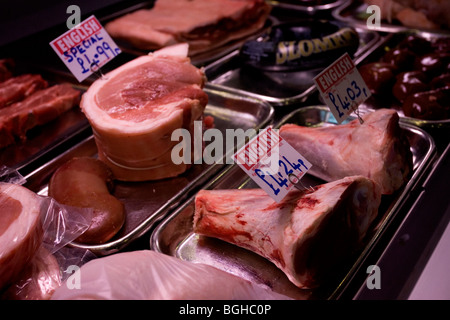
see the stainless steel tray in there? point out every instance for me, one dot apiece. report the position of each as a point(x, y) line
point(354, 13)
point(174, 235)
point(147, 202)
point(278, 88)
point(373, 102)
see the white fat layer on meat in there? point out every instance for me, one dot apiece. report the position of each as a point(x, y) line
point(105, 122)
point(28, 220)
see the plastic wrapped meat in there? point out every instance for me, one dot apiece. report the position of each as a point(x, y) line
point(20, 230)
point(377, 149)
point(38, 280)
point(150, 275)
point(306, 235)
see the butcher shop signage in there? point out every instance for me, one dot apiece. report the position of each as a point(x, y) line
point(85, 48)
point(342, 87)
point(272, 163)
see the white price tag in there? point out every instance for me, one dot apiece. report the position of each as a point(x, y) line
point(342, 87)
point(85, 48)
point(272, 163)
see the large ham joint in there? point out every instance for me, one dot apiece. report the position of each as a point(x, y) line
point(306, 235)
point(134, 109)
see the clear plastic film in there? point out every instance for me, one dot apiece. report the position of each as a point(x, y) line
point(34, 233)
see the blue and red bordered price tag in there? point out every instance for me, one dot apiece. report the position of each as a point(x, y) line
point(273, 164)
point(342, 87)
point(85, 48)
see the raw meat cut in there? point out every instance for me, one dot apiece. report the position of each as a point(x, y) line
point(136, 107)
point(38, 280)
point(377, 149)
point(17, 88)
point(20, 230)
point(306, 235)
point(150, 275)
point(204, 24)
point(39, 108)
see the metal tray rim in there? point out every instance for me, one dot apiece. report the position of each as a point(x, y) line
point(310, 9)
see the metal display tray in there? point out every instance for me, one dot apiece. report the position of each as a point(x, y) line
point(174, 235)
point(354, 12)
point(278, 88)
point(374, 102)
point(147, 202)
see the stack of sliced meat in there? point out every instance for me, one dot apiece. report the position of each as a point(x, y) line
point(204, 24)
point(27, 101)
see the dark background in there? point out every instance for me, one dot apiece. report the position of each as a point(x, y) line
point(25, 18)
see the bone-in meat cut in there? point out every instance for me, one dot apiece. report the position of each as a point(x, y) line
point(151, 275)
point(306, 235)
point(37, 109)
point(377, 149)
point(135, 108)
point(20, 230)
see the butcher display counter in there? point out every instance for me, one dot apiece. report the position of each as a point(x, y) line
point(401, 252)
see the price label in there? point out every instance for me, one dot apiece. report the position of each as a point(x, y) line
point(342, 87)
point(272, 163)
point(85, 48)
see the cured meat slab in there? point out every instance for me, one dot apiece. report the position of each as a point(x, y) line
point(376, 149)
point(204, 24)
point(306, 235)
point(20, 230)
point(39, 108)
point(136, 107)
